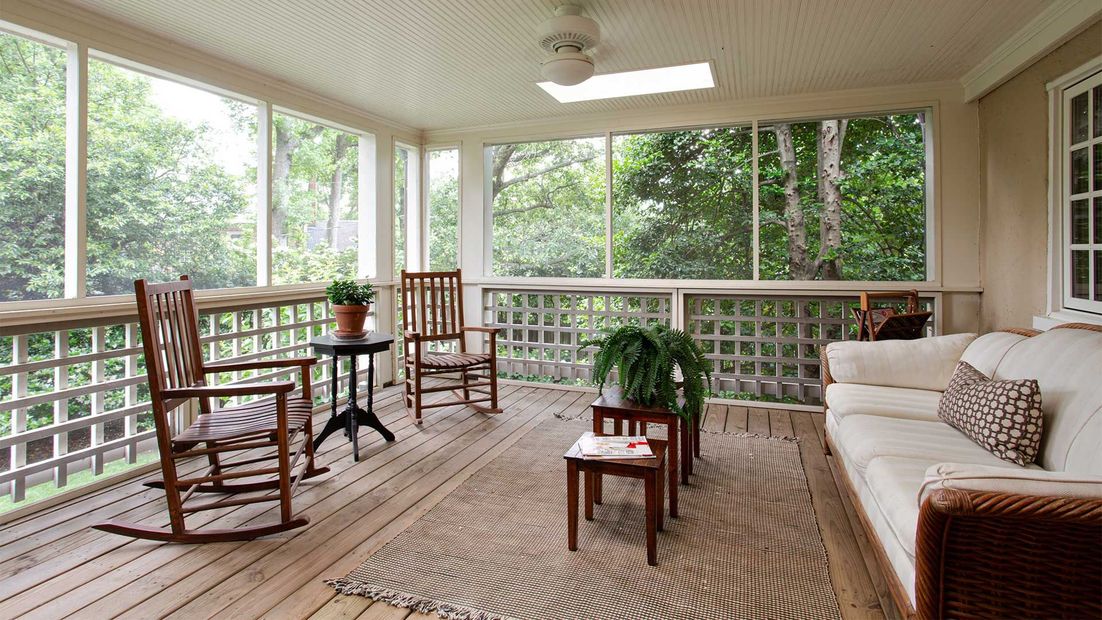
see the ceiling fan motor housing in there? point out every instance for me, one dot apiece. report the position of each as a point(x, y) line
point(566, 36)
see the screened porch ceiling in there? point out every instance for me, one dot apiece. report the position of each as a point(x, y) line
point(447, 64)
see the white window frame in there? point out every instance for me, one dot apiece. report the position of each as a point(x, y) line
point(1062, 307)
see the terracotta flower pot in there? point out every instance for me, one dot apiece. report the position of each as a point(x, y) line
point(350, 320)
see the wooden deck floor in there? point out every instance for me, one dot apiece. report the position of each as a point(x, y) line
point(52, 565)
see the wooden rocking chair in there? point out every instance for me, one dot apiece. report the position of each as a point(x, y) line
point(170, 336)
point(432, 312)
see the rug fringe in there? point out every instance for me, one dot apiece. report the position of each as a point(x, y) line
point(447, 611)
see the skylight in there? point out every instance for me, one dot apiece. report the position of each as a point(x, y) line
point(633, 83)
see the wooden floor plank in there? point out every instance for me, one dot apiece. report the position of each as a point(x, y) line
point(757, 421)
point(715, 417)
point(852, 586)
point(343, 607)
point(780, 425)
point(58, 567)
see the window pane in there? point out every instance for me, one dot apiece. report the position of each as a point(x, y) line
point(315, 201)
point(683, 204)
point(1080, 221)
point(1080, 166)
point(859, 215)
point(1098, 166)
point(443, 196)
point(171, 180)
point(1080, 274)
point(1079, 118)
point(32, 170)
point(548, 208)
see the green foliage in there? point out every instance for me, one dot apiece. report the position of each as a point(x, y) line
point(645, 358)
point(349, 293)
point(548, 209)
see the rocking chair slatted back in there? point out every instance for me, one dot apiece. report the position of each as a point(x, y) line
point(432, 304)
point(170, 338)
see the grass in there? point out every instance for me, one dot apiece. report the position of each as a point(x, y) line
point(46, 490)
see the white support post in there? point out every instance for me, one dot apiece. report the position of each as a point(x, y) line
point(414, 228)
point(76, 170)
point(99, 345)
point(264, 191)
point(18, 452)
point(367, 225)
point(754, 184)
point(61, 407)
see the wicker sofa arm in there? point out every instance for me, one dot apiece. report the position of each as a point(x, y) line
point(982, 551)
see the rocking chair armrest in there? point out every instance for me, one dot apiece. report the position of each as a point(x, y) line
point(241, 389)
point(411, 334)
point(484, 330)
point(304, 362)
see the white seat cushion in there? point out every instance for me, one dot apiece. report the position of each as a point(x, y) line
point(846, 399)
point(862, 438)
point(894, 483)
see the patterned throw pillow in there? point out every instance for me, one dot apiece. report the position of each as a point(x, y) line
point(1004, 417)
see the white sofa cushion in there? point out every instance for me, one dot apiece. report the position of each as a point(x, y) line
point(1067, 364)
point(894, 482)
point(923, 364)
point(846, 399)
point(985, 352)
point(969, 477)
point(862, 438)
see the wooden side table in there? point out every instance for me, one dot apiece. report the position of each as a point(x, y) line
point(613, 406)
point(652, 471)
point(353, 416)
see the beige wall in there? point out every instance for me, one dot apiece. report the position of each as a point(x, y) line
point(1013, 122)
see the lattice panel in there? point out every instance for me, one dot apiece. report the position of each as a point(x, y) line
point(77, 400)
point(542, 330)
point(767, 347)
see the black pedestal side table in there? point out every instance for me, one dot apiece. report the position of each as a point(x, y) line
point(353, 415)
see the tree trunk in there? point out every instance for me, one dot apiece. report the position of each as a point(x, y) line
point(285, 145)
point(831, 135)
point(502, 155)
point(340, 147)
point(800, 266)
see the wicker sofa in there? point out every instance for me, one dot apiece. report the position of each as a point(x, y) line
point(957, 531)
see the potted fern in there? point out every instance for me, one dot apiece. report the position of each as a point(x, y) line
point(350, 303)
point(647, 360)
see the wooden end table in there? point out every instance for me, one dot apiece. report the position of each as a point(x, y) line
point(652, 471)
point(613, 406)
point(353, 415)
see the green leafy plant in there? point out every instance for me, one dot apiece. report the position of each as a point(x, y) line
point(348, 293)
point(645, 359)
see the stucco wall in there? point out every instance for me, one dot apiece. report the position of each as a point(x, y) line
point(1013, 121)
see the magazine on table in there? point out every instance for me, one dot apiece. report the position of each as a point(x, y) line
point(615, 447)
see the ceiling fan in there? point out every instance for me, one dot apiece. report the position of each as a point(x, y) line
point(566, 36)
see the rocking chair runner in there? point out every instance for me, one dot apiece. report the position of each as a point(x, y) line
point(170, 338)
point(432, 312)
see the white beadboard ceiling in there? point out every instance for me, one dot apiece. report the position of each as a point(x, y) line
point(438, 64)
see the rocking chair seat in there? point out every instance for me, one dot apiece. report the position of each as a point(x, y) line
point(438, 361)
point(244, 421)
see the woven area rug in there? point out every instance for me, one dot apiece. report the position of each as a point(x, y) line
point(745, 546)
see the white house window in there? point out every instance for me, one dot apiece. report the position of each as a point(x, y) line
point(1081, 195)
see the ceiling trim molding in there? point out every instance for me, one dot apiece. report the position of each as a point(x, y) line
point(1061, 21)
point(79, 25)
point(861, 100)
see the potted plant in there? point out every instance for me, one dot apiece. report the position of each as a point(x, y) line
point(647, 360)
point(350, 303)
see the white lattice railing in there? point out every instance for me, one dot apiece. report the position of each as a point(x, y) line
point(74, 402)
point(763, 346)
point(541, 330)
